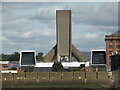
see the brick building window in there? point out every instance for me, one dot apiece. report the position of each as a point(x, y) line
point(118, 46)
point(110, 52)
point(110, 46)
point(118, 41)
point(118, 51)
point(109, 41)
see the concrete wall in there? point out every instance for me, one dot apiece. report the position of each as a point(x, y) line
point(116, 78)
point(79, 76)
point(7, 77)
point(18, 77)
point(91, 77)
point(67, 76)
point(105, 78)
point(55, 76)
point(31, 77)
point(43, 76)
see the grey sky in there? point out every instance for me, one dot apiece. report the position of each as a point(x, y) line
point(27, 26)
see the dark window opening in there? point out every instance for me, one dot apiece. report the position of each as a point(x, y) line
point(27, 58)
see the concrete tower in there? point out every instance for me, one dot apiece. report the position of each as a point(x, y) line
point(63, 48)
point(63, 25)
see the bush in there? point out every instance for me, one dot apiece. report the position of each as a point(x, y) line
point(40, 58)
point(82, 67)
point(13, 68)
point(57, 67)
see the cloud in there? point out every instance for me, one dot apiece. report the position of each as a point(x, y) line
point(26, 34)
point(33, 25)
point(91, 36)
point(46, 33)
point(38, 39)
point(105, 14)
point(88, 41)
point(46, 13)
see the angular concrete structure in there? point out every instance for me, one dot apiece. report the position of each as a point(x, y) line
point(64, 47)
point(77, 54)
point(51, 54)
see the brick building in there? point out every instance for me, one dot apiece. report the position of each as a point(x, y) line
point(112, 47)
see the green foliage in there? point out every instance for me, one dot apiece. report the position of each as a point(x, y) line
point(57, 67)
point(40, 58)
point(11, 57)
point(82, 67)
point(13, 68)
point(14, 57)
point(5, 57)
point(40, 54)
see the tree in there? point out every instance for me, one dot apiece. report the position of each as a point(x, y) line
point(40, 58)
point(13, 68)
point(57, 67)
point(14, 57)
point(4, 57)
point(10, 57)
